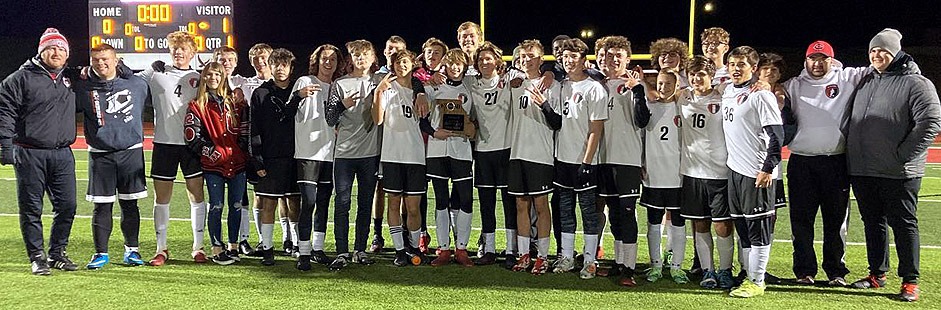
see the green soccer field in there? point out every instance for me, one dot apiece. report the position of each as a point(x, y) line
point(183, 284)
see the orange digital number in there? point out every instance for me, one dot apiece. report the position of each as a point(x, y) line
point(154, 13)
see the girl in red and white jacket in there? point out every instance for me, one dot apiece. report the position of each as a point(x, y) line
point(216, 128)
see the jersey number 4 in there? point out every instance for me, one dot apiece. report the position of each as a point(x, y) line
point(178, 91)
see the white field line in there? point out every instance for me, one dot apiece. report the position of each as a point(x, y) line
point(931, 247)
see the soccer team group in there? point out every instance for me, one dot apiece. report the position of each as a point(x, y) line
point(698, 141)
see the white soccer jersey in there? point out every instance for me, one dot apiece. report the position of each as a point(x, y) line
point(453, 147)
point(247, 84)
point(531, 139)
point(745, 114)
point(721, 76)
point(662, 146)
point(820, 108)
point(401, 137)
point(621, 143)
point(313, 138)
point(171, 92)
point(492, 111)
point(357, 134)
point(703, 150)
point(584, 101)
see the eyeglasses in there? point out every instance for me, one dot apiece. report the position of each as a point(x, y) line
point(714, 43)
point(670, 54)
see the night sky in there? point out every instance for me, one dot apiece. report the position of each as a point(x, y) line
point(785, 26)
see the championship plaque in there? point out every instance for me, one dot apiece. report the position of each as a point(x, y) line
point(454, 118)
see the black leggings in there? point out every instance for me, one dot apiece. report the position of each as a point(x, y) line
point(315, 199)
point(465, 192)
point(622, 218)
point(488, 209)
point(102, 223)
point(655, 216)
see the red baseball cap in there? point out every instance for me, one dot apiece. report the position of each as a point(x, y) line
point(820, 47)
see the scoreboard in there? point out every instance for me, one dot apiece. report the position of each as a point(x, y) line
point(138, 29)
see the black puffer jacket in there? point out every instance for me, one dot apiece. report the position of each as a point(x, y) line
point(896, 115)
point(37, 108)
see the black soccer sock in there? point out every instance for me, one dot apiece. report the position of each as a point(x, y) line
point(101, 225)
point(130, 222)
point(488, 209)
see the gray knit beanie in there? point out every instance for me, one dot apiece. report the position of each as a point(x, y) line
point(889, 39)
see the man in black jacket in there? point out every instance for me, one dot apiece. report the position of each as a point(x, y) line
point(895, 117)
point(37, 126)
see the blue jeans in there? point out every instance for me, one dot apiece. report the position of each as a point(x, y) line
point(216, 185)
point(344, 170)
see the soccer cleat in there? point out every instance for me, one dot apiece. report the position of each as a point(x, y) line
point(267, 257)
point(378, 245)
point(614, 271)
point(401, 259)
point(223, 259)
point(724, 279)
point(806, 280)
point(588, 271)
point(748, 289)
point(233, 254)
point(540, 266)
point(627, 278)
point(909, 292)
point(509, 261)
point(679, 276)
point(199, 256)
point(772, 279)
point(481, 245)
point(339, 263)
point(319, 257)
point(40, 266)
point(296, 252)
point(709, 279)
point(870, 281)
point(361, 258)
point(259, 250)
point(303, 263)
point(62, 262)
point(563, 265)
point(462, 258)
point(288, 247)
point(667, 257)
point(245, 248)
point(444, 258)
point(522, 264)
point(423, 242)
point(132, 258)
point(98, 261)
point(160, 258)
point(654, 274)
point(741, 277)
point(837, 282)
point(487, 259)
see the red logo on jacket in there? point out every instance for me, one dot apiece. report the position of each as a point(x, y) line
point(832, 91)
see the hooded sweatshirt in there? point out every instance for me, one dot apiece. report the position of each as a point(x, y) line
point(821, 109)
point(895, 116)
point(37, 108)
point(112, 109)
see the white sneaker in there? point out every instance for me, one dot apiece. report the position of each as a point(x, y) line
point(588, 271)
point(564, 264)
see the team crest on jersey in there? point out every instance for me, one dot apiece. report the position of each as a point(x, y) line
point(462, 98)
point(193, 82)
point(676, 121)
point(832, 91)
point(577, 97)
point(713, 108)
point(622, 89)
point(740, 98)
point(66, 81)
point(501, 84)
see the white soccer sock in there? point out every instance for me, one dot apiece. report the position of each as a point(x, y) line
point(677, 245)
point(397, 241)
point(704, 247)
point(414, 236)
point(285, 229)
point(245, 224)
point(543, 245)
point(443, 229)
point(318, 240)
point(452, 215)
point(293, 227)
point(653, 245)
point(758, 262)
point(511, 241)
point(725, 247)
point(131, 249)
point(489, 240)
point(257, 216)
point(669, 230)
point(745, 263)
point(568, 245)
point(198, 220)
point(591, 248)
point(629, 252)
point(463, 229)
point(523, 244)
point(618, 257)
point(161, 221)
point(304, 247)
point(267, 233)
